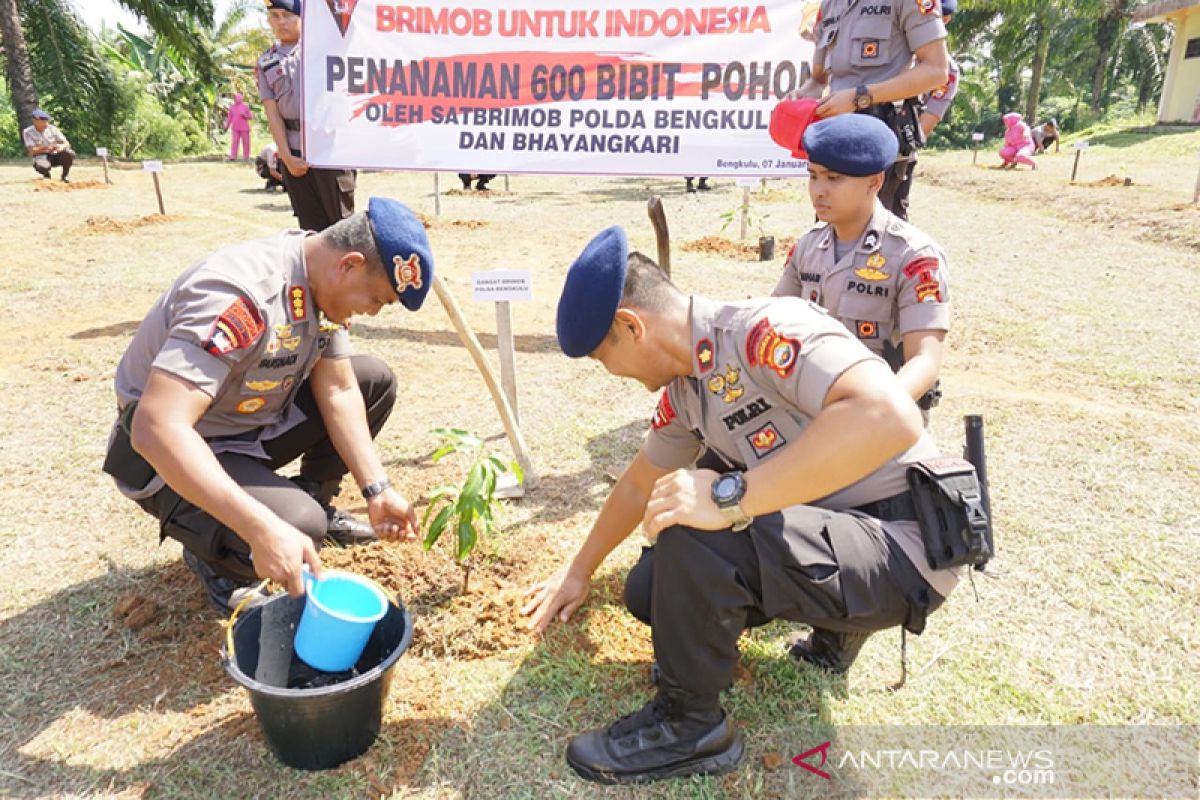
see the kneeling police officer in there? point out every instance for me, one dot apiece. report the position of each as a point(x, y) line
point(812, 520)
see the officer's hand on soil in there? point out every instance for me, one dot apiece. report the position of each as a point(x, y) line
point(281, 554)
point(392, 516)
point(840, 102)
point(295, 165)
point(556, 597)
point(683, 497)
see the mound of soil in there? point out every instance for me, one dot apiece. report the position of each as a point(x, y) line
point(739, 251)
point(43, 185)
point(434, 222)
point(1111, 180)
point(103, 224)
point(446, 623)
point(476, 193)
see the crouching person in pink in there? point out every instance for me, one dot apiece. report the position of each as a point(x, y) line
point(1018, 142)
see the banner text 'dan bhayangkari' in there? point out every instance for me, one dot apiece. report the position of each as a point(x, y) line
point(639, 87)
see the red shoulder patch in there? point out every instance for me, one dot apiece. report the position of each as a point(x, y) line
point(239, 326)
point(664, 413)
point(924, 266)
point(928, 7)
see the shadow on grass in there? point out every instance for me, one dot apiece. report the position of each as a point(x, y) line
point(1135, 136)
point(524, 343)
point(108, 331)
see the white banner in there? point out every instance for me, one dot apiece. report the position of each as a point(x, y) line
point(630, 87)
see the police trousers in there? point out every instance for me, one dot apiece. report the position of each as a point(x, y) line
point(320, 197)
point(699, 590)
point(226, 552)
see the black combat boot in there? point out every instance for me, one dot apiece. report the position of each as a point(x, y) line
point(829, 650)
point(691, 187)
point(703, 185)
point(341, 526)
point(481, 185)
point(672, 736)
point(465, 177)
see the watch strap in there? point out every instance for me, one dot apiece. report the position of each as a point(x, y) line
point(378, 487)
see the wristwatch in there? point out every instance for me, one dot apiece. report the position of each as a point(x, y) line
point(378, 487)
point(727, 492)
point(862, 97)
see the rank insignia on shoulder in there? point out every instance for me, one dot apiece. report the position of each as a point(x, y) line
point(704, 354)
point(298, 303)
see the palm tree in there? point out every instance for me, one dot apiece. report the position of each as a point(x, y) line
point(48, 49)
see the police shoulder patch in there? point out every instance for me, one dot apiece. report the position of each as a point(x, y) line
point(237, 327)
point(664, 413)
point(766, 347)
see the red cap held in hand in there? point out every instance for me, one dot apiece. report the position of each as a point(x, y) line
point(788, 121)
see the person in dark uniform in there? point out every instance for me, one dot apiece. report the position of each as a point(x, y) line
point(879, 58)
point(691, 187)
point(481, 181)
point(320, 197)
point(811, 520)
point(244, 365)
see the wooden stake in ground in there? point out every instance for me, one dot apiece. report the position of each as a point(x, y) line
point(437, 197)
point(103, 153)
point(662, 236)
point(507, 417)
point(506, 184)
point(1196, 193)
point(1079, 148)
point(508, 362)
point(745, 211)
point(976, 138)
point(155, 167)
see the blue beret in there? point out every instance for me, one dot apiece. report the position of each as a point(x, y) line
point(39, 114)
point(404, 248)
point(592, 293)
point(284, 5)
point(949, 7)
point(852, 144)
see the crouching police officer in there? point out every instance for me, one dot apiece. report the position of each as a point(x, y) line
point(320, 197)
point(882, 278)
point(812, 521)
point(244, 365)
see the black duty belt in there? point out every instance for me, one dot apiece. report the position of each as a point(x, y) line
point(292, 124)
point(893, 509)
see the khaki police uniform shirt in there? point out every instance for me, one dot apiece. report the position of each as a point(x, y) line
point(893, 282)
point(278, 75)
point(938, 101)
point(760, 372)
point(868, 41)
point(241, 326)
point(51, 136)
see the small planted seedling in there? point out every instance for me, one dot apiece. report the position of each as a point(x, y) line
point(467, 508)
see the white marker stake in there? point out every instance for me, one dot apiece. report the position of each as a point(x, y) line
point(1196, 194)
point(155, 167)
point(976, 138)
point(437, 197)
point(103, 153)
point(501, 287)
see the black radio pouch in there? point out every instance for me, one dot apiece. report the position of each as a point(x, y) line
point(905, 122)
point(949, 505)
point(122, 461)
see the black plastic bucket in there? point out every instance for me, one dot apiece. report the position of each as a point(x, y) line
point(311, 719)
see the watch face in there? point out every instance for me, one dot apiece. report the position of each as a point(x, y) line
point(725, 488)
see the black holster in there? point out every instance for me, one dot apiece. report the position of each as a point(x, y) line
point(950, 513)
point(905, 121)
point(122, 461)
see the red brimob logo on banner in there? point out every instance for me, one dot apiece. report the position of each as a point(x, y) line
point(341, 10)
point(823, 749)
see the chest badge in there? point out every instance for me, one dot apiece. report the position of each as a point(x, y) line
point(766, 439)
point(726, 385)
point(704, 354)
point(251, 404)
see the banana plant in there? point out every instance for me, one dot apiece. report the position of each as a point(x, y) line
point(467, 508)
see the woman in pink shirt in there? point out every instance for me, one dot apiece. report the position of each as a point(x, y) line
point(237, 122)
point(1018, 142)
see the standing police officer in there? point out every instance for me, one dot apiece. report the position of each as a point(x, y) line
point(244, 365)
point(882, 278)
point(937, 103)
point(812, 521)
point(877, 57)
point(320, 197)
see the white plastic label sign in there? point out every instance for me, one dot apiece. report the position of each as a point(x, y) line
point(102, 152)
point(749, 183)
point(1084, 145)
point(976, 137)
point(152, 166)
point(502, 284)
